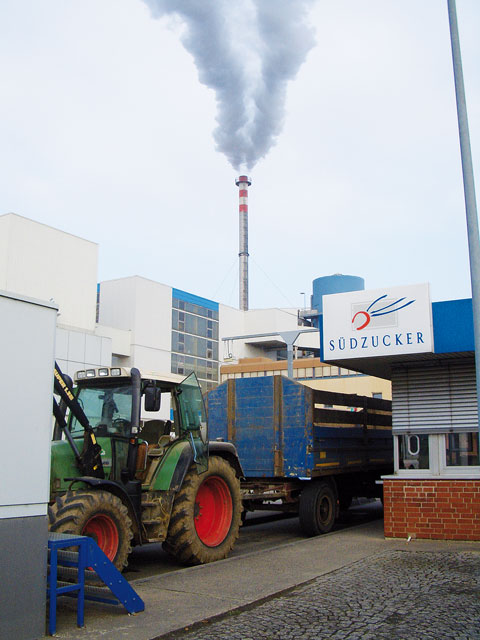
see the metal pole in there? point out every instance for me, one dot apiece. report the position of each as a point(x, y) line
point(468, 186)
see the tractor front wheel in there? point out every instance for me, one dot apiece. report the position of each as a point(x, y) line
point(206, 515)
point(99, 515)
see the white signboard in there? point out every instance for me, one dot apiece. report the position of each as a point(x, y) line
point(381, 322)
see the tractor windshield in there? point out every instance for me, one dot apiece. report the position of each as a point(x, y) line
point(108, 409)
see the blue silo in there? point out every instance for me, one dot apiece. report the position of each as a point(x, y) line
point(337, 283)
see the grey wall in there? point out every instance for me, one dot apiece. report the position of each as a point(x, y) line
point(23, 570)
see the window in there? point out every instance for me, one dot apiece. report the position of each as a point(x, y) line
point(461, 449)
point(377, 395)
point(108, 409)
point(413, 452)
point(209, 329)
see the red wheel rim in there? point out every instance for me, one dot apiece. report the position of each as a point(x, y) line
point(213, 511)
point(105, 533)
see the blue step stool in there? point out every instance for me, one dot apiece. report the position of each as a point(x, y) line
point(73, 566)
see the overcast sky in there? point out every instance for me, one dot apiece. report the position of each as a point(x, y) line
point(107, 132)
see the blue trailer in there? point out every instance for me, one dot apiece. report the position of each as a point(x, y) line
point(303, 450)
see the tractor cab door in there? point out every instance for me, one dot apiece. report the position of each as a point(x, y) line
point(193, 419)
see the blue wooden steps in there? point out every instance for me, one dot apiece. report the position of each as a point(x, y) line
point(85, 573)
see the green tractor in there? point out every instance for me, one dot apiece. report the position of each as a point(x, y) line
point(126, 481)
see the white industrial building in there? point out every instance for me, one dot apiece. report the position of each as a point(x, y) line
point(131, 321)
point(36, 261)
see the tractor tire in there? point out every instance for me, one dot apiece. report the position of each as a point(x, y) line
point(206, 515)
point(317, 508)
point(99, 515)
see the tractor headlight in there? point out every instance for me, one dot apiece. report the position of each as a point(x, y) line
point(116, 372)
point(90, 373)
point(103, 372)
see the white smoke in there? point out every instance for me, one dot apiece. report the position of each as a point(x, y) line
point(246, 51)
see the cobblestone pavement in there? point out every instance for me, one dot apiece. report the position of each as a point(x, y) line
point(393, 596)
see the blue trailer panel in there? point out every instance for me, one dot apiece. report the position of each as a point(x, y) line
point(280, 429)
point(288, 435)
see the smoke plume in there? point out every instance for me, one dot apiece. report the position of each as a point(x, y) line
point(246, 51)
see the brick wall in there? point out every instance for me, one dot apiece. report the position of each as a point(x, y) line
point(435, 509)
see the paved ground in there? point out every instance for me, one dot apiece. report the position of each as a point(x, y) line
point(396, 595)
point(351, 584)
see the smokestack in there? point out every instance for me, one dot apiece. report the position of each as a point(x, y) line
point(243, 183)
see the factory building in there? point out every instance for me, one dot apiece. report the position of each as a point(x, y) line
point(135, 321)
point(130, 321)
point(426, 350)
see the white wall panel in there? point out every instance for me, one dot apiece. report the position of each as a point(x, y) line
point(27, 342)
point(76, 346)
point(106, 351)
point(46, 263)
point(61, 344)
point(93, 349)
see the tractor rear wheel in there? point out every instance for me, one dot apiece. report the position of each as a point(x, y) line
point(206, 515)
point(99, 515)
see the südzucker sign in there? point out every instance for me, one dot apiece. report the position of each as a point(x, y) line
point(381, 322)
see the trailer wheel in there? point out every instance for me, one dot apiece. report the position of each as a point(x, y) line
point(317, 508)
point(99, 515)
point(206, 515)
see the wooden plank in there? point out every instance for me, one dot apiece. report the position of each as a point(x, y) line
point(278, 425)
point(350, 400)
point(338, 416)
point(231, 410)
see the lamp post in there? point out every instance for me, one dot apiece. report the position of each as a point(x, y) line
point(468, 187)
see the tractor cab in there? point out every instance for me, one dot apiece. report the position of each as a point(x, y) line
point(117, 403)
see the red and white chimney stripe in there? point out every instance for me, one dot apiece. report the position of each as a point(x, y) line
point(243, 182)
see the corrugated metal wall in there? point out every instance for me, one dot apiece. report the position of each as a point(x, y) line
point(435, 399)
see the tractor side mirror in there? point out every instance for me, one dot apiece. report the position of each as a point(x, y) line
point(153, 398)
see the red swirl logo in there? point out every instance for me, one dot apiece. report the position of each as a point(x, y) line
point(364, 317)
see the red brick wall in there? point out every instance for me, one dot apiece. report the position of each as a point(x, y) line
point(435, 509)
